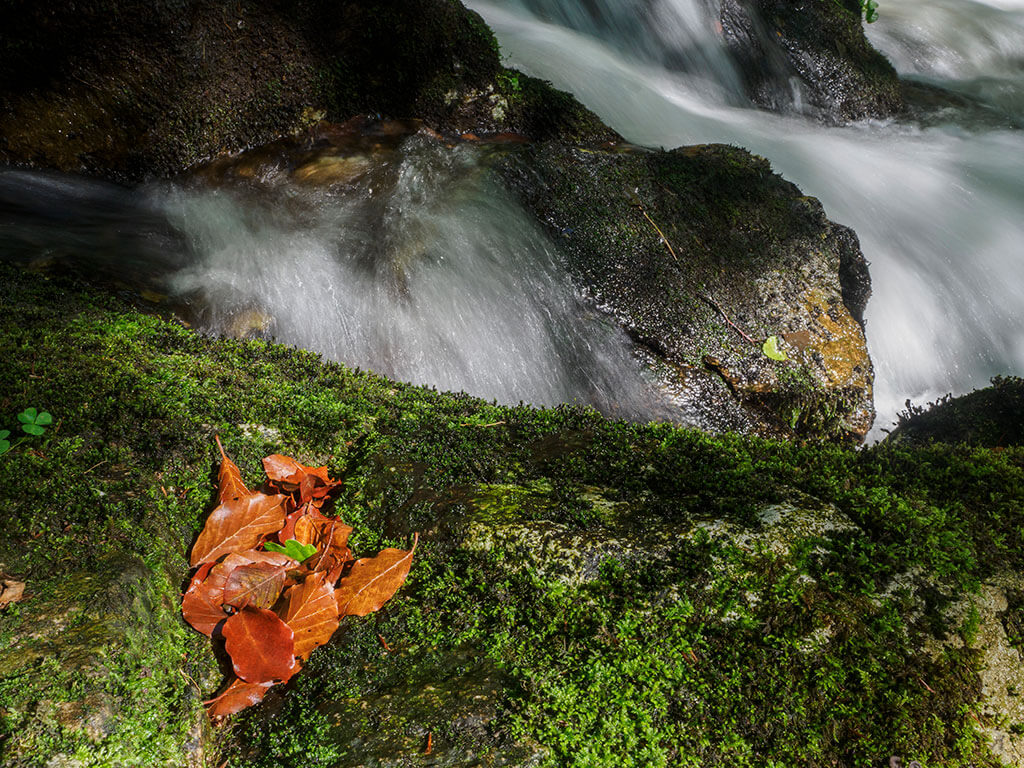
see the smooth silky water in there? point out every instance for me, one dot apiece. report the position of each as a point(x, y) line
point(418, 266)
point(938, 205)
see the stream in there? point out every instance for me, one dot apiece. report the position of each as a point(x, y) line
point(938, 204)
point(403, 255)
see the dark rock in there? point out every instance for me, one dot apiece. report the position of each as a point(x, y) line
point(746, 256)
point(136, 90)
point(990, 418)
point(811, 51)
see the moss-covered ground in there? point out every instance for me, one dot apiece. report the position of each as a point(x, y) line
point(726, 645)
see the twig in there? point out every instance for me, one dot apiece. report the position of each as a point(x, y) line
point(482, 426)
point(725, 317)
point(189, 678)
point(662, 234)
point(705, 297)
point(90, 469)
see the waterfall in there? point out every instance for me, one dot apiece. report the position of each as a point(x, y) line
point(938, 204)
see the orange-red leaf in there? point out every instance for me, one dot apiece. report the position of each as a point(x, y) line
point(255, 584)
point(229, 478)
point(239, 524)
point(261, 646)
point(311, 612)
point(372, 581)
point(237, 697)
point(311, 483)
point(203, 603)
point(328, 534)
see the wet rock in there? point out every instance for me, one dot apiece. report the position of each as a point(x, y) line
point(701, 254)
point(810, 56)
point(131, 91)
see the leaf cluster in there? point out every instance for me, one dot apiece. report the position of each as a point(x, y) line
point(272, 608)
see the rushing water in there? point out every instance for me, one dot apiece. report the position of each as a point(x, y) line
point(938, 206)
point(420, 267)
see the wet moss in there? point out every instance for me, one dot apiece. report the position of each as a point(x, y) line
point(727, 599)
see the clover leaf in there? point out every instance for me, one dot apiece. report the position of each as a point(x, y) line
point(34, 422)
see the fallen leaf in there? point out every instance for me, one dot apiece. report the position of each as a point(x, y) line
point(260, 645)
point(229, 478)
point(239, 524)
point(311, 612)
point(771, 348)
point(256, 584)
point(373, 580)
point(237, 697)
point(11, 591)
point(328, 534)
point(203, 602)
point(311, 483)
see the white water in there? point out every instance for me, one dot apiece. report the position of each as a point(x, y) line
point(939, 210)
point(422, 269)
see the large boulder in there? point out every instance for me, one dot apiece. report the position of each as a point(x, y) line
point(702, 254)
point(586, 592)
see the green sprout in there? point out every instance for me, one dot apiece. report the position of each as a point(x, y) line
point(293, 549)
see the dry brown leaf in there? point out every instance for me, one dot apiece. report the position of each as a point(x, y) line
point(373, 580)
point(237, 697)
point(311, 612)
point(239, 524)
point(203, 603)
point(261, 646)
point(256, 584)
point(310, 483)
point(230, 485)
point(11, 591)
point(328, 534)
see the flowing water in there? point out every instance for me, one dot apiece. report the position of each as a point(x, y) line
point(401, 256)
point(406, 258)
point(938, 204)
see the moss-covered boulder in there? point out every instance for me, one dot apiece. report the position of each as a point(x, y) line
point(990, 418)
point(703, 254)
point(134, 90)
point(818, 43)
point(585, 593)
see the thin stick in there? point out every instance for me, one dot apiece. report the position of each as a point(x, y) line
point(706, 298)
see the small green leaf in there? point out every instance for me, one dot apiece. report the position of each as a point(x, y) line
point(4, 434)
point(293, 549)
point(32, 429)
point(771, 348)
point(5, 446)
point(44, 419)
point(28, 416)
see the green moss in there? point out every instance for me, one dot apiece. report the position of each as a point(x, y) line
point(684, 627)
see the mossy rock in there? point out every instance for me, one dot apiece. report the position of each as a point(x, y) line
point(991, 418)
point(129, 91)
point(586, 592)
point(702, 254)
point(822, 44)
